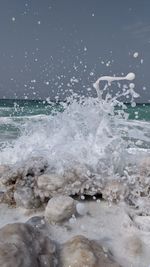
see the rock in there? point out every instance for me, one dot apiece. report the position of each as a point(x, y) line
point(21, 245)
point(49, 184)
point(33, 173)
point(10, 177)
point(24, 197)
point(138, 195)
point(114, 191)
point(7, 197)
point(71, 182)
point(3, 169)
point(78, 180)
point(142, 222)
point(81, 252)
point(78, 252)
point(133, 246)
point(1, 196)
point(81, 209)
point(145, 167)
point(59, 208)
point(143, 206)
point(37, 222)
point(105, 257)
point(34, 166)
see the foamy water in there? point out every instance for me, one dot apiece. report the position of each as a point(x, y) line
point(90, 133)
point(85, 132)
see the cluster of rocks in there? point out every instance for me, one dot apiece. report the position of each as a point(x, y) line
point(33, 183)
point(22, 244)
point(29, 244)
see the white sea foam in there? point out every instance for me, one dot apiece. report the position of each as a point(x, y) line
point(86, 132)
point(136, 54)
point(91, 133)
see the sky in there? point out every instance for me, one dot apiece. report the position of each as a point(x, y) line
point(51, 48)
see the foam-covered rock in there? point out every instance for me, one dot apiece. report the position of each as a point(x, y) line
point(59, 208)
point(76, 181)
point(49, 184)
point(46, 182)
point(24, 197)
point(34, 166)
point(145, 167)
point(133, 246)
point(3, 169)
point(81, 252)
point(11, 176)
point(81, 209)
point(142, 222)
point(7, 197)
point(114, 191)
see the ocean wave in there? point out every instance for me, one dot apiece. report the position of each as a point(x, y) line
point(89, 131)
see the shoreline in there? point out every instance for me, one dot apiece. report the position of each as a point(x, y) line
point(109, 225)
point(107, 217)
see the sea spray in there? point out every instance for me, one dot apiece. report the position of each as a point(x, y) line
point(108, 139)
point(90, 131)
point(90, 149)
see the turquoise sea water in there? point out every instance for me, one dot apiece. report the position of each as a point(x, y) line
point(39, 127)
point(21, 108)
point(140, 112)
point(14, 113)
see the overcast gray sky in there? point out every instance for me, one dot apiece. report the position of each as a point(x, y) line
point(51, 47)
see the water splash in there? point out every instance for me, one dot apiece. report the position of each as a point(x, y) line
point(89, 132)
point(97, 140)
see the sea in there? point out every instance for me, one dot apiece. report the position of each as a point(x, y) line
point(102, 138)
point(100, 132)
point(37, 124)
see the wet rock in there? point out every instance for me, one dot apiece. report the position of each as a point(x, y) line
point(1, 196)
point(145, 167)
point(10, 177)
point(21, 245)
point(143, 206)
point(53, 183)
point(45, 182)
point(105, 257)
point(7, 197)
point(59, 208)
point(81, 252)
point(81, 209)
point(71, 182)
point(34, 166)
point(38, 222)
point(139, 187)
point(3, 169)
point(24, 197)
point(114, 191)
point(142, 222)
point(138, 195)
point(78, 252)
point(49, 184)
point(133, 246)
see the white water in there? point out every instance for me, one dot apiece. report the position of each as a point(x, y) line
point(90, 133)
